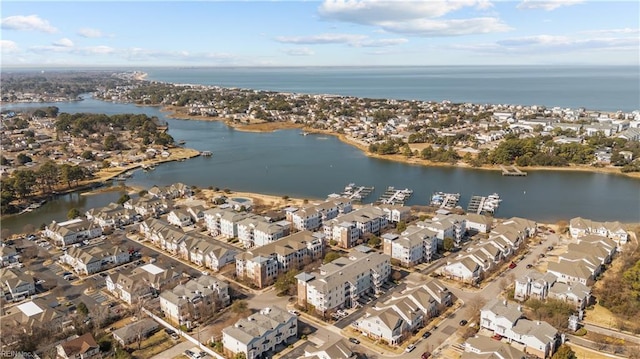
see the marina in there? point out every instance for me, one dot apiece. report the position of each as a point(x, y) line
point(353, 192)
point(484, 205)
point(395, 196)
point(445, 200)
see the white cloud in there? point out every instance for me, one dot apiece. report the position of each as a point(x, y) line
point(90, 33)
point(301, 51)
point(8, 47)
point(556, 44)
point(97, 50)
point(347, 39)
point(455, 27)
point(30, 22)
point(419, 18)
point(626, 31)
point(321, 39)
point(64, 42)
point(547, 5)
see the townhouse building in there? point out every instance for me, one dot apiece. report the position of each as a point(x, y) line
point(580, 227)
point(36, 313)
point(341, 283)
point(111, 216)
point(449, 226)
point(183, 304)
point(180, 217)
point(266, 331)
point(337, 349)
point(149, 206)
point(480, 347)
point(506, 319)
point(16, 283)
point(395, 213)
point(141, 282)
point(80, 347)
point(261, 265)
point(89, 260)
point(73, 231)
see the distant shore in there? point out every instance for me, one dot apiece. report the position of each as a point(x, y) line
point(180, 113)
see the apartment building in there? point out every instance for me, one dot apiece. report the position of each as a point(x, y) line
point(184, 303)
point(348, 229)
point(264, 332)
point(141, 282)
point(342, 282)
point(312, 217)
point(261, 265)
point(413, 246)
point(73, 231)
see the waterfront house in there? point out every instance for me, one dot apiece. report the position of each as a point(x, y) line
point(111, 216)
point(464, 269)
point(8, 255)
point(478, 223)
point(570, 272)
point(449, 226)
point(396, 213)
point(73, 231)
point(579, 227)
point(17, 284)
point(266, 331)
point(533, 285)
point(341, 283)
point(79, 347)
point(183, 303)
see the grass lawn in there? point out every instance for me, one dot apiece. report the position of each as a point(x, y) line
point(582, 353)
point(155, 344)
point(601, 316)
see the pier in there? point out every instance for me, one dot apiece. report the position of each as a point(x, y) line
point(484, 205)
point(395, 196)
point(445, 200)
point(355, 193)
point(512, 171)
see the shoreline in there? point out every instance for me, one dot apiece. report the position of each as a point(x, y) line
point(174, 113)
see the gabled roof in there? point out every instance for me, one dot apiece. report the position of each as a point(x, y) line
point(79, 345)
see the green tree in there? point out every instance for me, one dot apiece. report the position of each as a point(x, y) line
point(401, 226)
point(564, 352)
point(240, 306)
point(374, 241)
point(331, 256)
point(73, 213)
point(125, 197)
point(23, 182)
point(23, 158)
point(82, 309)
point(448, 244)
point(286, 282)
point(87, 155)
point(240, 355)
point(48, 175)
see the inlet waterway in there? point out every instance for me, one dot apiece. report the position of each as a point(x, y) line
point(286, 163)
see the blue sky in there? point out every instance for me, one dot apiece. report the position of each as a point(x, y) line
point(319, 33)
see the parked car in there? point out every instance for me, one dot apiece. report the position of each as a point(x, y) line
point(410, 348)
point(426, 335)
point(529, 266)
point(425, 355)
point(496, 337)
point(463, 322)
point(294, 312)
point(512, 265)
point(354, 340)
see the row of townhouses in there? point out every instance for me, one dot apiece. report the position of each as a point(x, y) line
point(503, 242)
point(252, 230)
point(341, 283)
point(73, 231)
point(173, 191)
point(261, 266)
point(184, 303)
point(394, 320)
point(89, 260)
point(507, 320)
point(570, 278)
point(149, 206)
point(268, 330)
point(138, 283)
point(194, 247)
point(579, 227)
point(312, 217)
point(112, 216)
point(16, 284)
point(481, 347)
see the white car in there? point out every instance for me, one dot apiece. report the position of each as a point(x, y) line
point(410, 348)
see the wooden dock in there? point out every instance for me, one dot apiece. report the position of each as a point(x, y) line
point(484, 205)
point(356, 193)
point(512, 171)
point(395, 196)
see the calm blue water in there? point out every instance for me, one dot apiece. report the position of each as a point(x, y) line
point(610, 88)
point(285, 163)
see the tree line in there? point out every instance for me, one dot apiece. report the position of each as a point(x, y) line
point(25, 183)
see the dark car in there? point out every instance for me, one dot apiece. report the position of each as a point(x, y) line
point(463, 322)
point(512, 265)
point(426, 335)
point(529, 266)
point(354, 340)
point(425, 355)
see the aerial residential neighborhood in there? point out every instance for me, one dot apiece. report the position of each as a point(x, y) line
point(238, 283)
